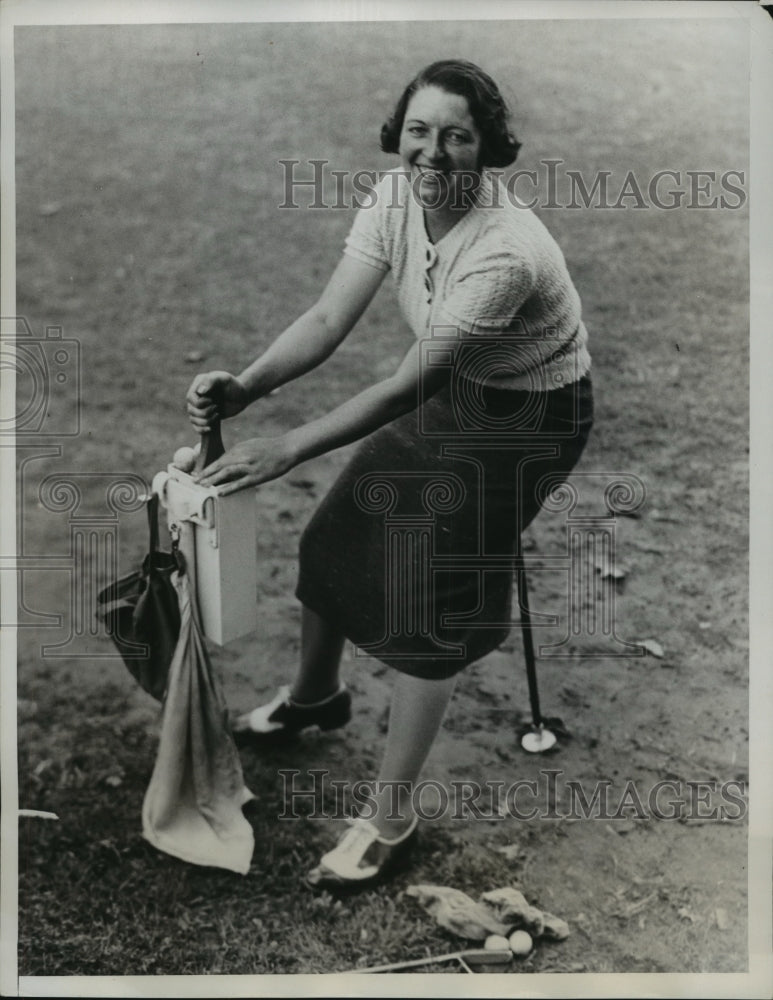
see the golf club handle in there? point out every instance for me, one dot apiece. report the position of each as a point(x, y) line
point(211, 447)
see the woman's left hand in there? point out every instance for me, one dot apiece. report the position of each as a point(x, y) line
point(249, 463)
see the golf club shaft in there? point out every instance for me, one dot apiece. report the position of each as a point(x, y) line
point(528, 644)
point(481, 955)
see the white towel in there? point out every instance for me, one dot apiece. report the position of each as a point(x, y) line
point(193, 804)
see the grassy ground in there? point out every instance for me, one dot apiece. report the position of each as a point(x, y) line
point(148, 228)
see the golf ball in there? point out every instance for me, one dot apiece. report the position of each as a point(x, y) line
point(184, 459)
point(520, 943)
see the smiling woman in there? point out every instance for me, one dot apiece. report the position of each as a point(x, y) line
point(440, 147)
point(458, 125)
point(493, 397)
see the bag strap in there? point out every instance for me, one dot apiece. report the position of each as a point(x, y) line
point(152, 508)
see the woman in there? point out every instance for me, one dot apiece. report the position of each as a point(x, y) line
point(493, 397)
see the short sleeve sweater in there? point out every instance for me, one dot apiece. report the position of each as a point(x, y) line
point(497, 274)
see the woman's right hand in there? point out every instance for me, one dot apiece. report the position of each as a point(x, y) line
point(213, 396)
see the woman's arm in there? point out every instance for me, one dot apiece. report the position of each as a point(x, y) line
point(262, 459)
point(317, 333)
point(302, 346)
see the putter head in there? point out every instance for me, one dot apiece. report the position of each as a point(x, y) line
point(545, 736)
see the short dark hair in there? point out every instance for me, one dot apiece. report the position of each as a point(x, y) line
point(487, 107)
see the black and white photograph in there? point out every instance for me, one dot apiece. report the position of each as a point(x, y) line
point(383, 555)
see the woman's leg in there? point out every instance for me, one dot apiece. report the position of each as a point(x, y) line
point(417, 710)
point(418, 707)
point(321, 648)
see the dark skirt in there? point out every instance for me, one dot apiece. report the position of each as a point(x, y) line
point(411, 553)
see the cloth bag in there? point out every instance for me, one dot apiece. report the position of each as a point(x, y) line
point(141, 613)
point(193, 805)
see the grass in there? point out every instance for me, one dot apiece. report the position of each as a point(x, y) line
point(97, 899)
